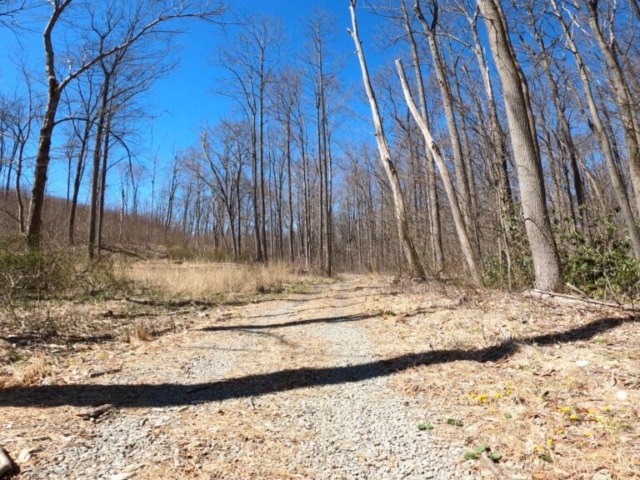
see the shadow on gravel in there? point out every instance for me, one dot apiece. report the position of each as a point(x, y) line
point(145, 395)
point(297, 323)
point(300, 310)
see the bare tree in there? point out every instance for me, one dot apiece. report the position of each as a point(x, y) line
point(385, 156)
point(435, 235)
point(461, 226)
point(604, 140)
point(459, 160)
point(621, 93)
point(251, 59)
point(145, 19)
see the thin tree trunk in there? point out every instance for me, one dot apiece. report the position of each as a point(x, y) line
point(95, 174)
point(462, 184)
point(458, 218)
point(619, 188)
point(385, 156)
point(434, 207)
point(623, 98)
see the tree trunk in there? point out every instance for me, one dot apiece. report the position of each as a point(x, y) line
point(95, 173)
point(623, 98)
point(619, 188)
point(385, 156)
point(519, 114)
point(458, 218)
point(463, 190)
point(434, 207)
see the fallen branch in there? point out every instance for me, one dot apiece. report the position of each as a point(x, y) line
point(576, 289)
point(105, 372)
point(572, 300)
point(96, 412)
point(492, 466)
point(172, 303)
point(26, 439)
point(122, 251)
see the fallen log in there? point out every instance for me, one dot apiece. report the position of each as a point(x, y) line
point(172, 303)
point(573, 300)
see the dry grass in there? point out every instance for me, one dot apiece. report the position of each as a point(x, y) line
point(567, 408)
point(141, 332)
point(200, 280)
point(33, 371)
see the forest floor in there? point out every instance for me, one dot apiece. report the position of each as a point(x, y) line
point(365, 377)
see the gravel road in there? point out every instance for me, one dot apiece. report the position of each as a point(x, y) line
point(287, 388)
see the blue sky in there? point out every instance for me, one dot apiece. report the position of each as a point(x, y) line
point(183, 100)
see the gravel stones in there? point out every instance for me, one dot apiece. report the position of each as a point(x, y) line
point(337, 430)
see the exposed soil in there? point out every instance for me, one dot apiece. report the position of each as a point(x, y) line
point(364, 378)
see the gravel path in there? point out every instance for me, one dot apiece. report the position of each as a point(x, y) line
point(264, 393)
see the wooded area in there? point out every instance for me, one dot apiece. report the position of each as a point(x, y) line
point(505, 139)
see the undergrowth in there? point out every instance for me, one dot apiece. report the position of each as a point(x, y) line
point(54, 273)
point(597, 259)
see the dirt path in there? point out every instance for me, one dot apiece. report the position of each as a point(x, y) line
point(290, 388)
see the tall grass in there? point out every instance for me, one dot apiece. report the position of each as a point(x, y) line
point(193, 279)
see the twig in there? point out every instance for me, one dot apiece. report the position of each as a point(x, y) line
point(96, 412)
point(492, 466)
point(105, 372)
point(576, 289)
point(26, 439)
point(171, 303)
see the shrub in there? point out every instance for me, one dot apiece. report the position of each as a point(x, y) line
point(604, 265)
point(51, 273)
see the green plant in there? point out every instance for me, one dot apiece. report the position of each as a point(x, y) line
point(453, 421)
point(27, 274)
point(479, 450)
point(425, 426)
point(603, 264)
point(513, 268)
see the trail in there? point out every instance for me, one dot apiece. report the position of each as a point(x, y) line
point(242, 397)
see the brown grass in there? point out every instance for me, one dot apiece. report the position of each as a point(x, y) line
point(200, 280)
point(141, 332)
point(31, 372)
point(559, 411)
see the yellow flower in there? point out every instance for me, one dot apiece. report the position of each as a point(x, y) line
point(560, 432)
point(549, 441)
point(598, 419)
point(497, 395)
point(588, 434)
point(573, 416)
point(538, 448)
point(591, 411)
point(482, 397)
point(564, 409)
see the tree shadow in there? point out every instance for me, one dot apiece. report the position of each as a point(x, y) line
point(35, 340)
point(296, 312)
point(296, 323)
point(163, 395)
